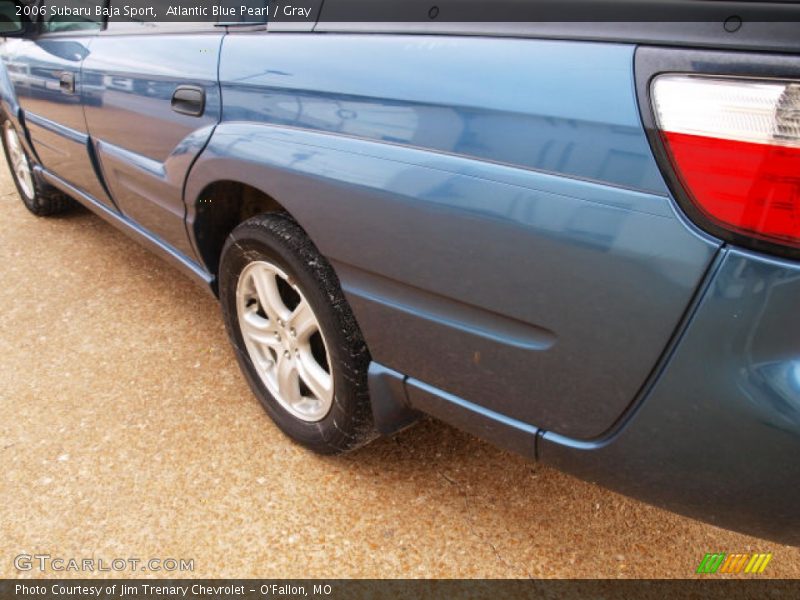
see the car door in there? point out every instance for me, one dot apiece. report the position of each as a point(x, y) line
point(159, 103)
point(46, 73)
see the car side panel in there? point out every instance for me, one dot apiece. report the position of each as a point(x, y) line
point(549, 304)
point(503, 234)
point(718, 434)
point(8, 95)
point(54, 116)
point(561, 107)
point(510, 241)
point(145, 148)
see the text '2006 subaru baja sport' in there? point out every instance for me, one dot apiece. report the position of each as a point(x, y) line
point(580, 241)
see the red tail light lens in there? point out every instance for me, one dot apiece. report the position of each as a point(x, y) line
point(735, 146)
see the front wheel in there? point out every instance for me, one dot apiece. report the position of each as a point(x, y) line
point(39, 198)
point(295, 336)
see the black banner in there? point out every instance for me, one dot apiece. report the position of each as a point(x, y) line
point(312, 589)
point(403, 11)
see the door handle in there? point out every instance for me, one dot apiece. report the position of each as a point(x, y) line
point(189, 100)
point(66, 81)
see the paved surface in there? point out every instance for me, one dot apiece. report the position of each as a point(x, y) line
point(127, 431)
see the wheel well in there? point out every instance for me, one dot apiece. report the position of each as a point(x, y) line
point(219, 209)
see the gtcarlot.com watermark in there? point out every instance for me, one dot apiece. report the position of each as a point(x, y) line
point(57, 564)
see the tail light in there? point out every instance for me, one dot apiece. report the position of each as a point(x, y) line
point(734, 144)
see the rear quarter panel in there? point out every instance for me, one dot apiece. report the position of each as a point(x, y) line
point(718, 434)
point(491, 206)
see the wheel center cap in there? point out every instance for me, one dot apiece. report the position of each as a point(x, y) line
point(288, 339)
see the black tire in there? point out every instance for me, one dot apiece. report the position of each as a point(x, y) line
point(45, 200)
point(278, 240)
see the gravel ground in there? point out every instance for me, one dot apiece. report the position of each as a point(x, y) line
point(127, 431)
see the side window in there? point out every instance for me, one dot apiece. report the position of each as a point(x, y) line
point(75, 15)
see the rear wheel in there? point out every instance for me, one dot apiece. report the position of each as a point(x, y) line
point(39, 198)
point(295, 336)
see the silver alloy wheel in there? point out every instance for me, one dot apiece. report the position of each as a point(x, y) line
point(285, 343)
point(19, 161)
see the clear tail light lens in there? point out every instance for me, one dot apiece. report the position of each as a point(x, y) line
point(735, 146)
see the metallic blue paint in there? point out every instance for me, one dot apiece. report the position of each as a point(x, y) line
point(448, 95)
point(145, 166)
point(473, 260)
point(54, 116)
point(503, 431)
point(503, 234)
point(8, 96)
point(717, 436)
point(183, 263)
